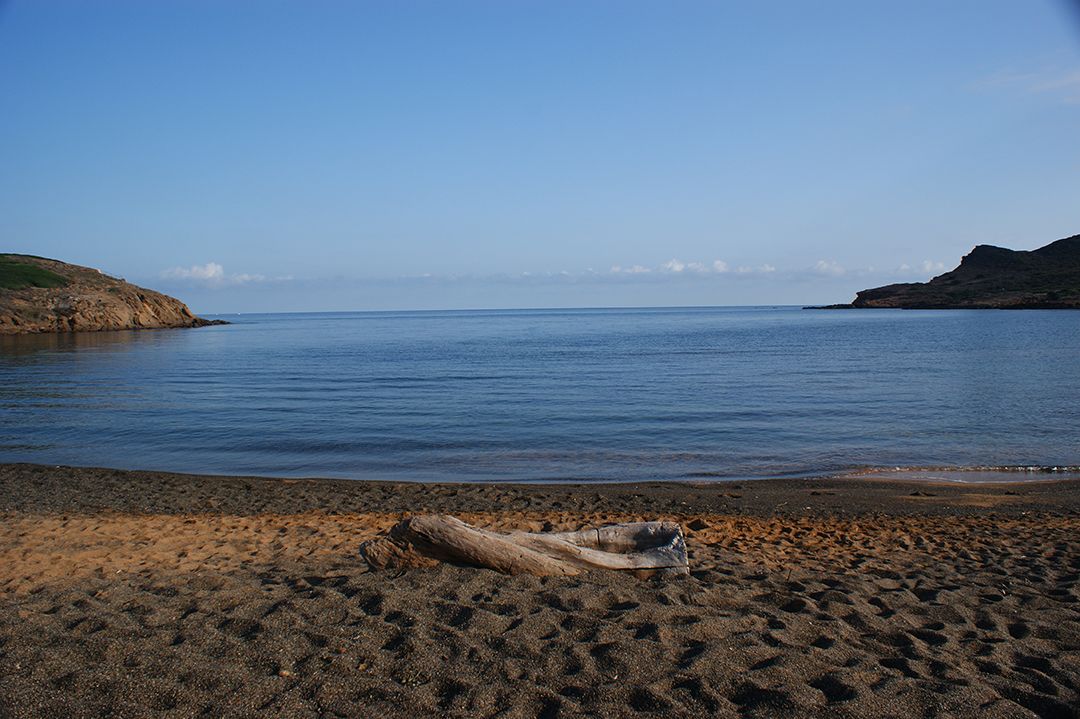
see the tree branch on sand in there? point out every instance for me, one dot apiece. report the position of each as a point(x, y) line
point(425, 540)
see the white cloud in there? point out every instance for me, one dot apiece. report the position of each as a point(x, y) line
point(926, 268)
point(1067, 84)
point(680, 270)
point(210, 272)
point(1063, 82)
point(214, 274)
point(828, 267)
point(762, 269)
point(673, 266)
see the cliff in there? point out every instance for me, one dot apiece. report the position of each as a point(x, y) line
point(42, 295)
point(993, 278)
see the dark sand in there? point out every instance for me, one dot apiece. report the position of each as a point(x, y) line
point(144, 594)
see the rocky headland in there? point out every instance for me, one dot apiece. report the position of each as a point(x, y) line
point(992, 278)
point(42, 295)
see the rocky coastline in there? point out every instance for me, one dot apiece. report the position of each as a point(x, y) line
point(40, 295)
point(990, 278)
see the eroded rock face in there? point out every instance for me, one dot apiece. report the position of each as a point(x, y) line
point(42, 295)
point(993, 278)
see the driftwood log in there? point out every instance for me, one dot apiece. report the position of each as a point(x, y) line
point(425, 540)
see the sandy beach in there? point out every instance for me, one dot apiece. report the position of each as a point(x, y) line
point(149, 594)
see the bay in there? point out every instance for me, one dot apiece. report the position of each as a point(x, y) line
point(553, 395)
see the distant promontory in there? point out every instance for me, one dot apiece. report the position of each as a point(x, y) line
point(42, 295)
point(992, 278)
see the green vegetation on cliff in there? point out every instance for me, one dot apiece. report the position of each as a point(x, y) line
point(42, 295)
point(15, 275)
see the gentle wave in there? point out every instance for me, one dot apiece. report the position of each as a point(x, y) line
point(970, 475)
point(699, 394)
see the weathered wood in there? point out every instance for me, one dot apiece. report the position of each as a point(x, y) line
point(423, 540)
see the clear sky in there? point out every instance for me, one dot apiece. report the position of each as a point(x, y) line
point(273, 156)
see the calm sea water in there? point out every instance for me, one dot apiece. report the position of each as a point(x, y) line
point(591, 395)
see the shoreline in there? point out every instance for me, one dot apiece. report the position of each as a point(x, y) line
point(922, 474)
point(66, 488)
point(143, 593)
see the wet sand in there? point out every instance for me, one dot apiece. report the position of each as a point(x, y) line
point(149, 594)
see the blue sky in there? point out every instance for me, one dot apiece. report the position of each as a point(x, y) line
point(272, 156)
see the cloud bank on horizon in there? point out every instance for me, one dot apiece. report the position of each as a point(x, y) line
point(213, 274)
point(210, 288)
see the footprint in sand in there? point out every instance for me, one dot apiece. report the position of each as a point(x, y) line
point(766, 663)
point(1018, 630)
point(834, 689)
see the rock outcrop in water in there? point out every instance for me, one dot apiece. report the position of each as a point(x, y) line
point(43, 295)
point(992, 278)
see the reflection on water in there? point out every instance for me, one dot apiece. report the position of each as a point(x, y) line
point(615, 395)
point(14, 346)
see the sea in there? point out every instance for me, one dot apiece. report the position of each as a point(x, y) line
point(558, 395)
